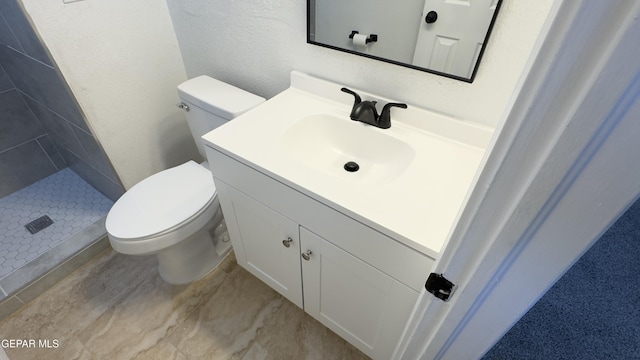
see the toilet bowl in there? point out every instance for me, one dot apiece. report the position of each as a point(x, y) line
point(175, 214)
point(164, 215)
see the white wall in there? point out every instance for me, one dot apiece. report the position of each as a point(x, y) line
point(255, 44)
point(122, 62)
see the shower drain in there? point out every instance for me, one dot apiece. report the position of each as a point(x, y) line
point(38, 224)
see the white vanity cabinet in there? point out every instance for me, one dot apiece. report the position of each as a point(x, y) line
point(265, 242)
point(354, 299)
point(352, 248)
point(356, 281)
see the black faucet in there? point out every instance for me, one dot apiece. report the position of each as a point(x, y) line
point(366, 112)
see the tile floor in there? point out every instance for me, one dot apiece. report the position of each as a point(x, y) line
point(66, 198)
point(118, 307)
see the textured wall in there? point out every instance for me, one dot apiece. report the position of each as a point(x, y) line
point(255, 44)
point(122, 62)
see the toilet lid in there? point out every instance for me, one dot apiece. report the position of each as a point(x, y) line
point(161, 201)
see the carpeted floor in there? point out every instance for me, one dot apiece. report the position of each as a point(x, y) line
point(593, 311)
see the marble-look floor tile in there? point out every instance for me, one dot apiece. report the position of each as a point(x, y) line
point(68, 308)
point(291, 333)
point(226, 325)
point(145, 317)
point(118, 307)
point(9, 305)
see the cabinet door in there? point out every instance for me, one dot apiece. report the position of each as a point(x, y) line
point(257, 235)
point(357, 301)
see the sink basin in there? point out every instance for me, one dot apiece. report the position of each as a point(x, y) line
point(326, 143)
point(411, 180)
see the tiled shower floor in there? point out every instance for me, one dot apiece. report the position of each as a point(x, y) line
point(66, 198)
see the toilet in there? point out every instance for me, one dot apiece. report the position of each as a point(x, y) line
point(175, 214)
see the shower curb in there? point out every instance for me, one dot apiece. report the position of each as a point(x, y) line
point(27, 283)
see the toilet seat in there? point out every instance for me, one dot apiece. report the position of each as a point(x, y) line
point(161, 202)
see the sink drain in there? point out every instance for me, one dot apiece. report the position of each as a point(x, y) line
point(351, 166)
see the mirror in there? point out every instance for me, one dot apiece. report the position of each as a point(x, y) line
point(444, 37)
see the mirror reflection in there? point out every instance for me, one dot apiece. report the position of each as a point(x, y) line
point(445, 37)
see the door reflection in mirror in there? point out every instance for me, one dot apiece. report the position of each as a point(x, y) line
point(446, 37)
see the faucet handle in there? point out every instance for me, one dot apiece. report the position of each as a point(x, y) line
point(357, 99)
point(384, 121)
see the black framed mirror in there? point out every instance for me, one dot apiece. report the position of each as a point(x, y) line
point(444, 37)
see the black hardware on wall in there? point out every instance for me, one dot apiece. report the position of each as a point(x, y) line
point(431, 17)
point(439, 286)
point(371, 38)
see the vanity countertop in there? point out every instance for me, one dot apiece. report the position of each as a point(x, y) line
point(417, 205)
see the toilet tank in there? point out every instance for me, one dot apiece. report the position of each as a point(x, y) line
point(211, 103)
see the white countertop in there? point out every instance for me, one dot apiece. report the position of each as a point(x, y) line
point(418, 207)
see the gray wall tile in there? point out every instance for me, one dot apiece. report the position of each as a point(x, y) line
point(58, 128)
point(22, 166)
point(41, 83)
point(6, 34)
point(17, 123)
point(52, 151)
point(24, 33)
point(79, 150)
point(95, 155)
point(112, 190)
point(5, 82)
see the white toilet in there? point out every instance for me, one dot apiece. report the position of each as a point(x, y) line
point(175, 213)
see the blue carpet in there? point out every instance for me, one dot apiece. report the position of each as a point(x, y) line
point(593, 311)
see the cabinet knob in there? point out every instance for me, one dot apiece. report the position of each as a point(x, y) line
point(287, 242)
point(306, 255)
